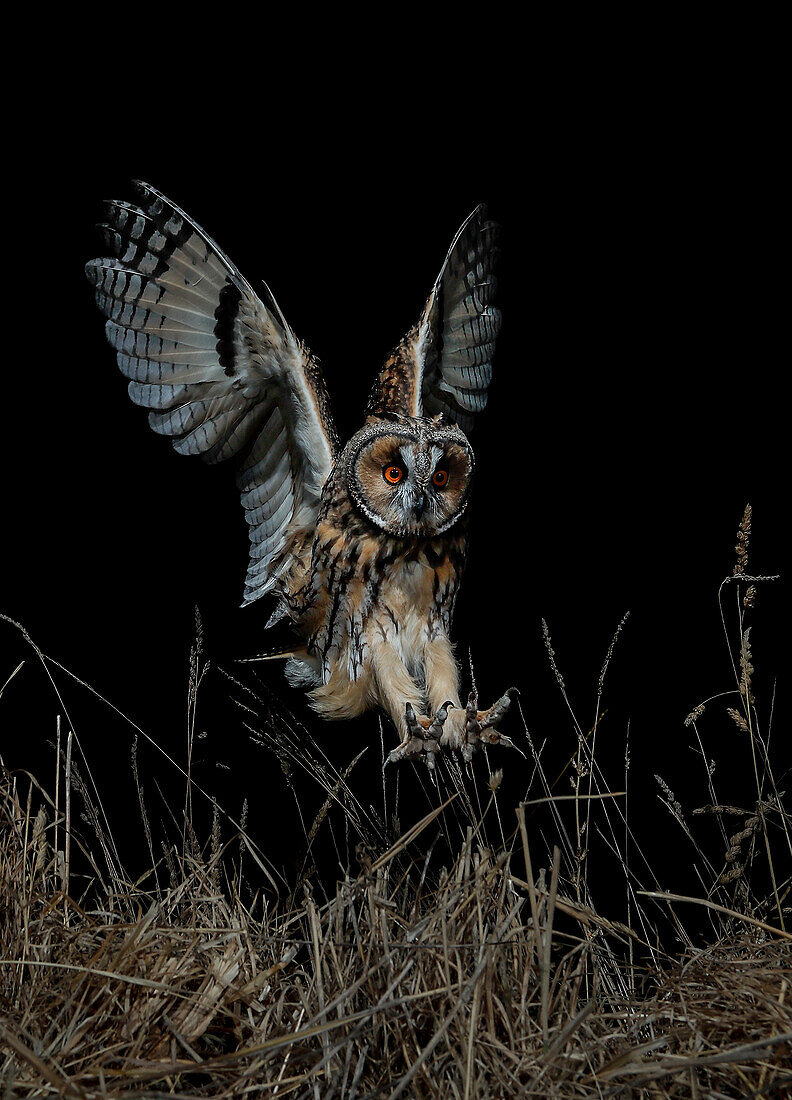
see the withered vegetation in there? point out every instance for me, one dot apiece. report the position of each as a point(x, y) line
point(489, 972)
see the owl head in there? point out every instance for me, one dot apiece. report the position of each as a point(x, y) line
point(410, 476)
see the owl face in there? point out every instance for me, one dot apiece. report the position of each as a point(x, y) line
point(410, 477)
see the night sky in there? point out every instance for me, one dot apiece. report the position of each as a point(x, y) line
point(635, 411)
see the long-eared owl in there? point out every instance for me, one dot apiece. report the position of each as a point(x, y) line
point(362, 546)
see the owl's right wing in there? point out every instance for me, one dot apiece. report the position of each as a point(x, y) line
point(220, 369)
point(460, 324)
point(444, 363)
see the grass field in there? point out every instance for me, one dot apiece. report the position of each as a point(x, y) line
point(464, 957)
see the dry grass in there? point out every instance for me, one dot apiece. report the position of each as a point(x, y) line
point(489, 973)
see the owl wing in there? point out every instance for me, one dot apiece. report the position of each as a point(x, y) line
point(457, 333)
point(444, 364)
point(221, 371)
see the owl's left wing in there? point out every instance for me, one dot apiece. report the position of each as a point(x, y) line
point(444, 364)
point(219, 368)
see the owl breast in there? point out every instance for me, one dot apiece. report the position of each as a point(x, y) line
point(368, 592)
point(410, 608)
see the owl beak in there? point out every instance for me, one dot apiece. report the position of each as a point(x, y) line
point(419, 505)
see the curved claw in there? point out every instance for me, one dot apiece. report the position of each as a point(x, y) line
point(471, 713)
point(437, 723)
point(497, 711)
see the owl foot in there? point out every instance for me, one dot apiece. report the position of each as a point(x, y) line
point(423, 736)
point(469, 730)
point(479, 725)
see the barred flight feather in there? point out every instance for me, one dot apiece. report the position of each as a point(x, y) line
point(219, 369)
point(457, 333)
point(444, 364)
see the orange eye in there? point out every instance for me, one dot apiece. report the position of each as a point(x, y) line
point(440, 478)
point(393, 474)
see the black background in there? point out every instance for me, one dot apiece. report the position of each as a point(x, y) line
point(637, 403)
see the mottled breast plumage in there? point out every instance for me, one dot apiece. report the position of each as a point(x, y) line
point(360, 579)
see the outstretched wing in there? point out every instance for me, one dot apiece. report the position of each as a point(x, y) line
point(444, 364)
point(457, 333)
point(220, 369)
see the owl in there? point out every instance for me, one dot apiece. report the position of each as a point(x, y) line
point(361, 546)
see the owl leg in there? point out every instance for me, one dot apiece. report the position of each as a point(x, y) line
point(423, 735)
point(396, 691)
point(467, 727)
point(442, 673)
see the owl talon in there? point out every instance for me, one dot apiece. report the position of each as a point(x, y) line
point(423, 736)
point(479, 724)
